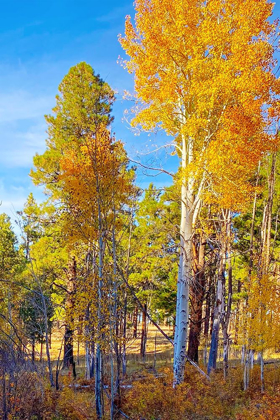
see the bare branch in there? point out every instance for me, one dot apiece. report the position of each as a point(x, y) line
point(151, 168)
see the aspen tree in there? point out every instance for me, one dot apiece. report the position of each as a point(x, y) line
point(203, 72)
point(85, 168)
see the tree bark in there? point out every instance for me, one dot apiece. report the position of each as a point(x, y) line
point(227, 307)
point(98, 356)
point(45, 312)
point(220, 302)
point(144, 332)
point(123, 352)
point(208, 307)
point(115, 379)
point(267, 221)
point(262, 372)
point(123, 349)
point(135, 319)
point(4, 398)
point(33, 350)
point(68, 358)
point(237, 315)
point(185, 266)
point(197, 292)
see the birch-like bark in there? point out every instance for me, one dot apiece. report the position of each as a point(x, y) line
point(185, 269)
point(251, 357)
point(98, 357)
point(246, 373)
point(123, 345)
point(87, 361)
point(89, 328)
point(213, 353)
point(87, 344)
point(262, 372)
point(265, 247)
point(123, 353)
point(243, 350)
point(115, 384)
point(267, 220)
point(253, 225)
point(237, 315)
point(176, 333)
point(227, 309)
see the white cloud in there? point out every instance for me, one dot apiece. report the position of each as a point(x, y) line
point(35, 136)
point(17, 147)
point(22, 105)
point(13, 195)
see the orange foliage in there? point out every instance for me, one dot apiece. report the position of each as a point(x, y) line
point(264, 406)
point(196, 397)
point(73, 405)
point(153, 398)
point(94, 174)
point(204, 71)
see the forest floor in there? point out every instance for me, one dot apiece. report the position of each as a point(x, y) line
point(159, 351)
point(147, 391)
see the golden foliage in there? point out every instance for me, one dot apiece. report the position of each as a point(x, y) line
point(204, 71)
point(262, 313)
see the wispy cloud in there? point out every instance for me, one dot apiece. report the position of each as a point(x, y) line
point(22, 127)
point(22, 105)
point(13, 197)
point(19, 146)
point(115, 14)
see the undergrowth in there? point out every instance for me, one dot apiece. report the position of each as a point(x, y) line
point(152, 397)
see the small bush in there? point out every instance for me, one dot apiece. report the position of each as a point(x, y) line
point(197, 398)
point(76, 405)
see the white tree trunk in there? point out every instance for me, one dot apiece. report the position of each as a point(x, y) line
point(262, 373)
point(87, 361)
point(98, 357)
point(177, 308)
point(246, 377)
point(243, 355)
point(185, 268)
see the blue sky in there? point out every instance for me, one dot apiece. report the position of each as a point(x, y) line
point(39, 41)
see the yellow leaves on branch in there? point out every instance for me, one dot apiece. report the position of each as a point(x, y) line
point(204, 71)
point(94, 174)
point(263, 313)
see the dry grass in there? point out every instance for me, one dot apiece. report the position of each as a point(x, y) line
point(159, 351)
